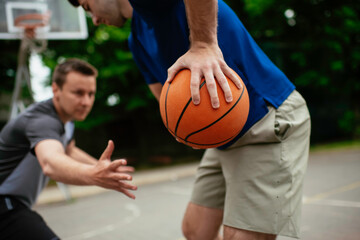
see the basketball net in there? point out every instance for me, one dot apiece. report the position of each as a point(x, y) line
point(29, 44)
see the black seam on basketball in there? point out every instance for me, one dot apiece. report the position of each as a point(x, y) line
point(216, 119)
point(183, 111)
point(206, 144)
point(166, 116)
point(210, 144)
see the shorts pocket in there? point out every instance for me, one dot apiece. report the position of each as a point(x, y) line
point(282, 126)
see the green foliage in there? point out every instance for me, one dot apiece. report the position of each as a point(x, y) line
point(8, 65)
point(319, 44)
point(258, 7)
point(106, 48)
point(346, 121)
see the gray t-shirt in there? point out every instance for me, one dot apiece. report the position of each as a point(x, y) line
point(20, 173)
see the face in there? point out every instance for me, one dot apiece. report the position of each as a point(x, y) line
point(109, 12)
point(76, 97)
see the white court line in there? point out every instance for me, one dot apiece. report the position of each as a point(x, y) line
point(134, 213)
point(93, 233)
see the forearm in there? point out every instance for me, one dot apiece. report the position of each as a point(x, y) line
point(56, 164)
point(81, 156)
point(65, 169)
point(202, 20)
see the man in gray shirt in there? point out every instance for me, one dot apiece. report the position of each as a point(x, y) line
point(39, 145)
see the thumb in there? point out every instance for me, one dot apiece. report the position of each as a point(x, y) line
point(173, 70)
point(108, 151)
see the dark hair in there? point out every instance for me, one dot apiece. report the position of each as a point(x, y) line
point(72, 65)
point(75, 3)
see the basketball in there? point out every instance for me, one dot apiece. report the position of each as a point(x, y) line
point(202, 126)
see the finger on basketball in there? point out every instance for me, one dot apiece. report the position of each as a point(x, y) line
point(223, 83)
point(232, 76)
point(194, 87)
point(212, 89)
point(173, 70)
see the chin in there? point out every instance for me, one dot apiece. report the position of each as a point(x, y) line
point(119, 25)
point(119, 22)
point(80, 118)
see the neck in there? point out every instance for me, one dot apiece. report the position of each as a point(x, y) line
point(63, 117)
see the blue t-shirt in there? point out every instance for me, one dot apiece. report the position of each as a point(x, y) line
point(160, 35)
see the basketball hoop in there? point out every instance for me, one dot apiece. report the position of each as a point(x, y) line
point(32, 21)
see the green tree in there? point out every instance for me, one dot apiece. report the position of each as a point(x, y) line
point(317, 44)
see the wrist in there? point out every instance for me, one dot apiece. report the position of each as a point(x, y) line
point(89, 174)
point(198, 44)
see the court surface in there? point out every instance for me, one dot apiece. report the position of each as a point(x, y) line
point(331, 206)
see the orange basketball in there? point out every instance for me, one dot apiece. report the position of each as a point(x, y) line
point(202, 126)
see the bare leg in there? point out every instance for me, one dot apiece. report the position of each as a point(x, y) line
point(231, 233)
point(202, 223)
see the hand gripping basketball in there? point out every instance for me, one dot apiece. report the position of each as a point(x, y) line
point(202, 126)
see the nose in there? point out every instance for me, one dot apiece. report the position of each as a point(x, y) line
point(87, 100)
point(96, 20)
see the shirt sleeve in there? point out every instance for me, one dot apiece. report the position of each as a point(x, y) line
point(38, 129)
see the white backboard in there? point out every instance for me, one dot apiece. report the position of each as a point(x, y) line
point(66, 22)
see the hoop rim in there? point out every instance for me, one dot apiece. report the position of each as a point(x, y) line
point(43, 20)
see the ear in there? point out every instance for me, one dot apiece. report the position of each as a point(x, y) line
point(55, 89)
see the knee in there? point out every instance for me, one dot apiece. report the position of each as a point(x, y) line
point(235, 233)
point(192, 231)
point(187, 230)
point(201, 223)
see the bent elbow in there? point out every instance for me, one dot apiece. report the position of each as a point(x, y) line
point(46, 168)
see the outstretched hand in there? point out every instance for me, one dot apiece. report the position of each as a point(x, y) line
point(113, 174)
point(206, 61)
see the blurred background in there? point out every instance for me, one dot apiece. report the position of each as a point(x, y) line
point(316, 43)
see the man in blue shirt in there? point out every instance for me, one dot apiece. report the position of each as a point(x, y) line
point(253, 184)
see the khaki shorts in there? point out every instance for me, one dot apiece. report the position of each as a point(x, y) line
point(258, 180)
